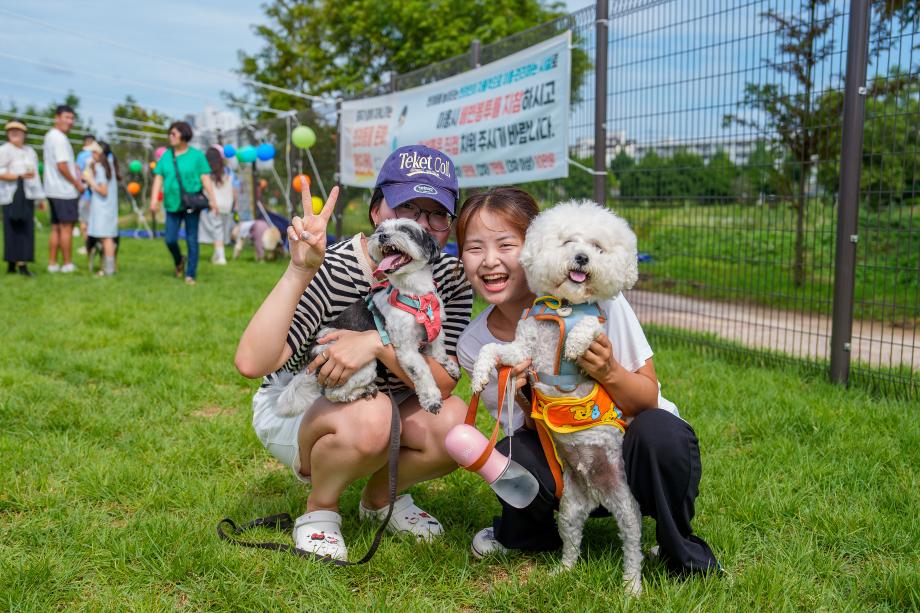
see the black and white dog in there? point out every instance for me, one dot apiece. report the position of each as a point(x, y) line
point(405, 308)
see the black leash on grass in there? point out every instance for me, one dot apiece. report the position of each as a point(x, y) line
point(283, 521)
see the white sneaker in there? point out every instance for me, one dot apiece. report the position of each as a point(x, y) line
point(406, 519)
point(68, 267)
point(54, 268)
point(485, 543)
point(320, 532)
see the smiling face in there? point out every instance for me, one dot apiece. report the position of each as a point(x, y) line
point(401, 247)
point(580, 252)
point(491, 251)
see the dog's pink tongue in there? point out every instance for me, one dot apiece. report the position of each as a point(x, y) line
point(577, 276)
point(387, 263)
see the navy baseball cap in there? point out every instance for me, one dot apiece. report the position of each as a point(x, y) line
point(417, 171)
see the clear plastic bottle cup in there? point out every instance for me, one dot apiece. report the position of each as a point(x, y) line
point(509, 480)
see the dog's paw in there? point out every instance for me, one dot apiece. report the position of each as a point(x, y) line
point(452, 368)
point(633, 586)
point(433, 406)
point(580, 338)
point(559, 569)
point(479, 379)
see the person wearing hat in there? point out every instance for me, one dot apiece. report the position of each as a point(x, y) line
point(20, 187)
point(334, 444)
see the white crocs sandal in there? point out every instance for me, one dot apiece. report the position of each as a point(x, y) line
point(406, 519)
point(320, 532)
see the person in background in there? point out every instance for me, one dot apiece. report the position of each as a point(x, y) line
point(103, 209)
point(83, 159)
point(19, 188)
point(195, 175)
point(216, 224)
point(62, 187)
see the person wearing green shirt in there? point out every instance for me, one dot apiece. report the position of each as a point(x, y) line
point(194, 171)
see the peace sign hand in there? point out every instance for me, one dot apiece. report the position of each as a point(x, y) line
point(307, 234)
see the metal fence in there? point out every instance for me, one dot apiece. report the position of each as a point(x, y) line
point(723, 148)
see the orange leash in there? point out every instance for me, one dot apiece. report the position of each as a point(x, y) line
point(504, 374)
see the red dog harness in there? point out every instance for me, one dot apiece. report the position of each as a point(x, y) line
point(425, 308)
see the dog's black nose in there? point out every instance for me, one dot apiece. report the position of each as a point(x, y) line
point(581, 259)
point(383, 237)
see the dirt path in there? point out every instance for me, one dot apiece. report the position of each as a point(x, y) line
point(798, 334)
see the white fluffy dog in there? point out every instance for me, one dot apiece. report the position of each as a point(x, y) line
point(405, 254)
point(578, 253)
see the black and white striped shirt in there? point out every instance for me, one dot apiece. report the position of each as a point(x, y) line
point(346, 277)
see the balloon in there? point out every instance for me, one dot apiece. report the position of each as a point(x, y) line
point(265, 151)
point(135, 166)
point(296, 182)
point(263, 183)
point(246, 155)
point(134, 188)
point(153, 165)
point(317, 205)
point(229, 151)
point(303, 137)
point(41, 168)
point(159, 152)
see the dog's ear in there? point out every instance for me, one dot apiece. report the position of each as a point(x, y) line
point(432, 249)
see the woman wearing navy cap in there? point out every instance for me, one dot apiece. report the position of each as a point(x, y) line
point(334, 444)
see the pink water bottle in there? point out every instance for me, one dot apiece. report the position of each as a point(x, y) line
point(509, 480)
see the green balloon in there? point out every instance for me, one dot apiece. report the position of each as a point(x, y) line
point(41, 168)
point(303, 137)
point(135, 166)
point(246, 155)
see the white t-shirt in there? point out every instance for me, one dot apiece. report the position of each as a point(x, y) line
point(18, 161)
point(627, 340)
point(224, 192)
point(57, 149)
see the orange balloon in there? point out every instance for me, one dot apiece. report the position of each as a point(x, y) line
point(134, 188)
point(263, 183)
point(153, 165)
point(296, 182)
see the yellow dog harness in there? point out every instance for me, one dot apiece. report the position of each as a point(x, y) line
point(564, 414)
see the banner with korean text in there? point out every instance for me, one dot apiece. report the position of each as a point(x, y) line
point(503, 123)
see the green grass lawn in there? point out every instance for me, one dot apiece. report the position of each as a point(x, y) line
point(125, 436)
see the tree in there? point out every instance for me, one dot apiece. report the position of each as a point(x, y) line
point(787, 106)
point(890, 165)
point(718, 184)
point(327, 46)
point(38, 127)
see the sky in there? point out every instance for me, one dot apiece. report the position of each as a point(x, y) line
point(70, 51)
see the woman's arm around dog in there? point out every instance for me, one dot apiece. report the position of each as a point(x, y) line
point(634, 392)
point(263, 348)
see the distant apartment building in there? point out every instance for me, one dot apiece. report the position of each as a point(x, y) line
point(738, 151)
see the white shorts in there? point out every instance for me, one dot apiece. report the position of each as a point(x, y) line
point(279, 433)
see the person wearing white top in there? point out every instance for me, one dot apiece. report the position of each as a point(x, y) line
point(102, 175)
point(19, 188)
point(215, 226)
point(62, 187)
point(660, 449)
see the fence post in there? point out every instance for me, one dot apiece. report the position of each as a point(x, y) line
point(340, 205)
point(854, 108)
point(600, 102)
point(475, 53)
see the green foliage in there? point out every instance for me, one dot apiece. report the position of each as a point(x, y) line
point(125, 435)
point(682, 177)
point(890, 171)
point(326, 46)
